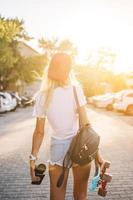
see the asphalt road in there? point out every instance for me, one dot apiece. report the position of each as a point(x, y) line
point(16, 128)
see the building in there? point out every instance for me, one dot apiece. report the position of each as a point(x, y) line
point(26, 50)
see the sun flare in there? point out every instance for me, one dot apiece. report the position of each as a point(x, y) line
point(91, 26)
point(102, 30)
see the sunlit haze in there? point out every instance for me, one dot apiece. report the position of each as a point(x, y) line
point(89, 24)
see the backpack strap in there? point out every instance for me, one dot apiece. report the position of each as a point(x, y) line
point(67, 163)
point(76, 97)
point(77, 103)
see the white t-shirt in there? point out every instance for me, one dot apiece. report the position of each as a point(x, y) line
point(62, 111)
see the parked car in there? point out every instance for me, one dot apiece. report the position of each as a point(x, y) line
point(17, 97)
point(7, 102)
point(106, 101)
point(102, 101)
point(94, 99)
point(26, 101)
point(124, 102)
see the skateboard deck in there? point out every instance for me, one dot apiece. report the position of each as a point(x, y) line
point(101, 178)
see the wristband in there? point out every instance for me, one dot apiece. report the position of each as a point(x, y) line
point(34, 158)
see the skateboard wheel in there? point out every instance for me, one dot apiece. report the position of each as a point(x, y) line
point(40, 169)
point(102, 192)
point(107, 177)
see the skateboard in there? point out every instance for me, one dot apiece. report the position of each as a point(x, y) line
point(39, 171)
point(100, 179)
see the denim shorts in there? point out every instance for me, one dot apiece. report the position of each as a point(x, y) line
point(58, 149)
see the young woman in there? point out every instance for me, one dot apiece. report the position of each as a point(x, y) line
point(55, 100)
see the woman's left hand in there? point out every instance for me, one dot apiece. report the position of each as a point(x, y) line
point(32, 171)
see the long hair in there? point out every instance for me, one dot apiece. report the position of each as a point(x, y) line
point(49, 85)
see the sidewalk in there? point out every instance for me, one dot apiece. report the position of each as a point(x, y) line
point(15, 144)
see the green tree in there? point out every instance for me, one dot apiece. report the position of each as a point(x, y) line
point(68, 47)
point(10, 31)
point(13, 66)
point(98, 71)
point(52, 46)
point(102, 58)
point(29, 68)
point(119, 82)
point(49, 46)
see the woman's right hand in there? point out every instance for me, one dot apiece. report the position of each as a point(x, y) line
point(32, 171)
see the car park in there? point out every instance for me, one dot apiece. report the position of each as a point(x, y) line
point(119, 101)
point(124, 102)
point(102, 101)
point(105, 101)
point(9, 101)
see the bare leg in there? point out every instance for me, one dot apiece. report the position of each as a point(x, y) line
point(55, 192)
point(81, 176)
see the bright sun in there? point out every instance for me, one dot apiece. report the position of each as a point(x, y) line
point(92, 26)
point(101, 30)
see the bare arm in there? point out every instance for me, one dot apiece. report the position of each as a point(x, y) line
point(38, 136)
point(36, 143)
point(84, 119)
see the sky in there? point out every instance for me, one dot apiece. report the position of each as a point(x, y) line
point(89, 24)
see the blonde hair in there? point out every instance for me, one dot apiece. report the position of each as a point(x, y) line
point(48, 85)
